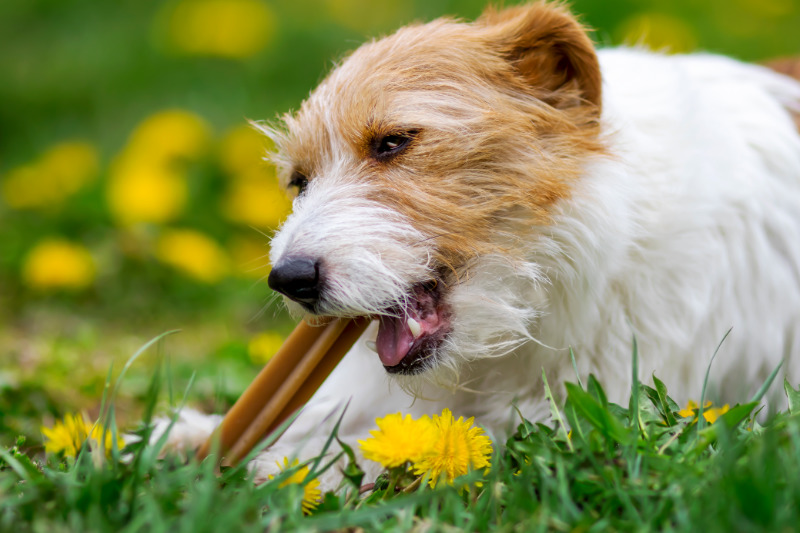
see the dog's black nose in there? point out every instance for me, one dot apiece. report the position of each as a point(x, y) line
point(297, 278)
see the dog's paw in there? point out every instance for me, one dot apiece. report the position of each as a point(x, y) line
point(190, 430)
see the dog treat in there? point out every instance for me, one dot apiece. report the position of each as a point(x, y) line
point(285, 384)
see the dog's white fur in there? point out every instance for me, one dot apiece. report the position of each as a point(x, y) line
point(687, 227)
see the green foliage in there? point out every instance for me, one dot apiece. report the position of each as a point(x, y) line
point(645, 467)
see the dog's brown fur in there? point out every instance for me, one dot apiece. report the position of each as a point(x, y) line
point(515, 94)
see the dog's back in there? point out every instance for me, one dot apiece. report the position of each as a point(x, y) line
point(690, 227)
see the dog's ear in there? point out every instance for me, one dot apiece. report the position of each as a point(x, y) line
point(549, 48)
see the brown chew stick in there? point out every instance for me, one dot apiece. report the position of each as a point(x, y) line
point(253, 398)
point(303, 362)
point(346, 340)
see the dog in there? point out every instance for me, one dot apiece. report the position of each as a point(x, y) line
point(497, 192)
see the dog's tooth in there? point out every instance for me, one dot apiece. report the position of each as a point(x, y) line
point(372, 346)
point(413, 325)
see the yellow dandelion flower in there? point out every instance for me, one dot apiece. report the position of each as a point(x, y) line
point(710, 414)
point(223, 28)
point(256, 199)
point(691, 407)
point(458, 448)
point(194, 254)
point(139, 191)
point(169, 135)
point(58, 264)
point(57, 174)
point(263, 346)
point(250, 256)
point(148, 182)
point(242, 149)
point(68, 436)
point(311, 493)
point(398, 440)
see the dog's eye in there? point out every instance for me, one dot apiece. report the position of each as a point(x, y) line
point(390, 145)
point(298, 180)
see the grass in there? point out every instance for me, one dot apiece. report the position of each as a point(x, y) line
point(633, 468)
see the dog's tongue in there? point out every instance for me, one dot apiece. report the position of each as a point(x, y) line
point(394, 340)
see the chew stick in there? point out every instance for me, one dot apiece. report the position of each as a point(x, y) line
point(346, 340)
point(303, 362)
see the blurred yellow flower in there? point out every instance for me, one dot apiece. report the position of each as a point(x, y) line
point(147, 182)
point(168, 136)
point(193, 253)
point(710, 414)
point(223, 28)
point(58, 264)
point(263, 346)
point(250, 256)
point(658, 31)
point(362, 16)
point(67, 437)
point(57, 174)
point(141, 191)
point(242, 149)
point(311, 493)
point(256, 199)
point(457, 449)
point(399, 440)
point(691, 407)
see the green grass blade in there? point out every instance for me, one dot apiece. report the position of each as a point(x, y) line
point(634, 403)
point(106, 392)
point(132, 359)
point(725, 422)
point(15, 465)
point(663, 401)
point(561, 431)
point(701, 408)
point(599, 417)
point(793, 396)
point(766, 385)
point(575, 368)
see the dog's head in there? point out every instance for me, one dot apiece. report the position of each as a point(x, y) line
point(422, 167)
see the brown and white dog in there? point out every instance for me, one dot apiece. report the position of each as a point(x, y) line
point(499, 191)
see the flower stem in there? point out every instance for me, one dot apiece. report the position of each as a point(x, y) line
point(414, 485)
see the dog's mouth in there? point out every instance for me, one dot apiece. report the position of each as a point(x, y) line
point(410, 334)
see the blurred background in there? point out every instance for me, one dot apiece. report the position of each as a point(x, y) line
point(133, 197)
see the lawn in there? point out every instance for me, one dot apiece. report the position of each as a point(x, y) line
point(649, 465)
point(132, 203)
